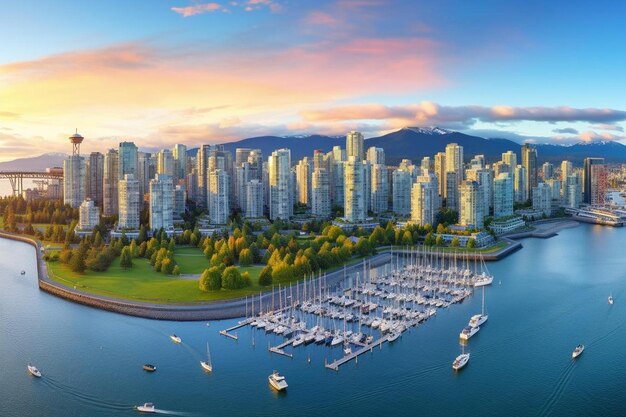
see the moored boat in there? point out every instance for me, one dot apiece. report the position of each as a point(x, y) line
point(468, 332)
point(277, 381)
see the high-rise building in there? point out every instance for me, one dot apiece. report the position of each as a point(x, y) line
point(202, 174)
point(477, 162)
point(367, 184)
point(529, 162)
point(165, 163)
point(354, 190)
point(95, 178)
point(129, 203)
point(470, 205)
point(179, 152)
point(440, 172)
point(426, 164)
point(574, 193)
point(376, 155)
point(355, 146)
point(279, 183)
point(484, 178)
point(337, 182)
point(320, 193)
point(110, 184)
point(401, 193)
point(191, 185)
point(425, 199)
point(303, 181)
point(452, 191)
point(88, 215)
point(379, 184)
point(161, 202)
point(128, 160)
point(510, 158)
point(542, 198)
point(145, 172)
point(242, 177)
point(454, 161)
point(519, 178)
point(594, 181)
point(547, 170)
point(254, 199)
point(218, 193)
point(503, 192)
point(74, 174)
point(566, 170)
point(179, 200)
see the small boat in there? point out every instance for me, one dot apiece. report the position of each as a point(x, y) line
point(347, 349)
point(460, 361)
point(468, 332)
point(175, 339)
point(149, 368)
point(34, 371)
point(393, 336)
point(483, 280)
point(146, 408)
point(578, 351)
point(23, 272)
point(277, 381)
point(611, 299)
point(207, 366)
point(479, 319)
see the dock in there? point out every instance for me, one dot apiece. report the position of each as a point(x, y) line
point(228, 331)
point(278, 349)
point(347, 358)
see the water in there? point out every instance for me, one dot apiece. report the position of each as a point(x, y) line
point(553, 296)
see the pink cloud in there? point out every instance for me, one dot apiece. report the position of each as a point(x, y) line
point(320, 18)
point(196, 9)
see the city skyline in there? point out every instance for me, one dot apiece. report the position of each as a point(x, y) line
point(213, 72)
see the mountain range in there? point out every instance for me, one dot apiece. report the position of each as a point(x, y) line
point(410, 142)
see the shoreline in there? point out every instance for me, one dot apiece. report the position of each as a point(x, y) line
point(235, 308)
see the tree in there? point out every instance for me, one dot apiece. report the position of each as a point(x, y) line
point(471, 243)
point(429, 240)
point(439, 240)
point(245, 257)
point(232, 279)
point(265, 277)
point(455, 242)
point(126, 258)
point(77, 262)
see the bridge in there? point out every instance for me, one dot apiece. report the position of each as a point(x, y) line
point(16, 178)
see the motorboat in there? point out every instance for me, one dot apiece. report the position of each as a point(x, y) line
point(23, 272)
point(468, 332)
point(460, 361)
point(149, 368)
point(146, 408)
point(347, 349)
point(393, 336)
point(277, 381)
point(611, 299)
point(338, 339)
point(34, 371)
point(578, 351)
point(175, 339)
point(478, 319)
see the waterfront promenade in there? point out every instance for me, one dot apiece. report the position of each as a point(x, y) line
point(227, 309)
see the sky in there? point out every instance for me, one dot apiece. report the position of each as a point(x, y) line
point(160, 72)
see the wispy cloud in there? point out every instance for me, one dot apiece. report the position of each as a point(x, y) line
point(566, 130)
point(196, 9)
point(433, 113)
point(606, 126)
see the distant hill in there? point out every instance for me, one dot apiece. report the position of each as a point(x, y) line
point(35, 163)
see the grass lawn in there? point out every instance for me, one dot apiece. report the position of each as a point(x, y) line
point(460, 249)
point(142, 284)
point(191, 260)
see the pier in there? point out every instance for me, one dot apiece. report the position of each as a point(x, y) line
point(228, 331)
point(347, 358)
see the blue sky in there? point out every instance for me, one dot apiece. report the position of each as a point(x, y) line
point(162, 72)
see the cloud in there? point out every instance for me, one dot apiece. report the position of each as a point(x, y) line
point(8, 115)
point(429, 113)
point(606, 126)
point(196, 9)
point(569, 130)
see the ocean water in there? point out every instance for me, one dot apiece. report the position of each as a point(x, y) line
point(552, 296)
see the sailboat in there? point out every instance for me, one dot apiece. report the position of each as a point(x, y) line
point(479, 319)
point(611, 299)
point(207, 366)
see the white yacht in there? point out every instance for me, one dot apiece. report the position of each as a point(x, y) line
point(479, 319)
point(146, 408)
point(611, 299)
point(483, 280)
point(393, 336)
point(578, 351)
point(298, 340)
point(338, 339)
point(468, 332)
point(277, 381)
point(34, 371)
point(175, 339)
point(207, 366)
point(460, 361)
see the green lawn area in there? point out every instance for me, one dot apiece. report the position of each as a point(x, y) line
point(191, 260)
point(142, 284)
point(488, 249)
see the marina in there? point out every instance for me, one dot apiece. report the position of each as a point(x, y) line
point(368, 309)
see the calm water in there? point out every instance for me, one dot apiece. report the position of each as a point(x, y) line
point(553, 296)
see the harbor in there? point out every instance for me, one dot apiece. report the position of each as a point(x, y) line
point(366, 309)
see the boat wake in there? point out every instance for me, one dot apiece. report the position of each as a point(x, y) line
point(558, 390)
point(173, 413)
point(85, 398)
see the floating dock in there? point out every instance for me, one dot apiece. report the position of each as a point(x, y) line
point(347, 358)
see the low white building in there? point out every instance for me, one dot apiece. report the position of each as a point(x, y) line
point(88, 215)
